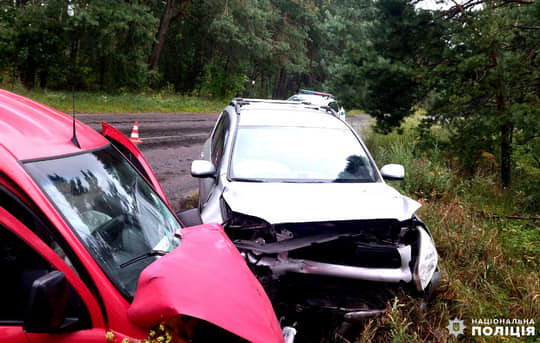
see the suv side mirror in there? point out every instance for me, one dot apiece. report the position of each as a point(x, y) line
point(393, 172)
point(202, 169)
point(48, 304)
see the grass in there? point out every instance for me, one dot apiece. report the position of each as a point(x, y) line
point(489, 260)
point(190, 201)
point(123, 102)
point(489, 263)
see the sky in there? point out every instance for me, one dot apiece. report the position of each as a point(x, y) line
point(434, 5)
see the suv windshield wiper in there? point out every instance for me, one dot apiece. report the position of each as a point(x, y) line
point(142, 257)
point(245, 179)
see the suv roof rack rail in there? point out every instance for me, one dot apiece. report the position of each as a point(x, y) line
point(239, 102)
point(330, 109)
point(245, 101)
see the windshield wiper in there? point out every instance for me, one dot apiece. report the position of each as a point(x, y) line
point(142, 257)
point(154, 252)
point(358, 180)
point(245, 179)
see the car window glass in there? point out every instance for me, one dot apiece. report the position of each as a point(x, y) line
point(16, 208)
point(299, 154)
point(116, 214)
point(21, 265)
point(218, 139)
point(131, 158)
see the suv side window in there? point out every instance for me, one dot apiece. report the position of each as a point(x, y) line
point(219, 137)
point(21, 265)
point(16, 207)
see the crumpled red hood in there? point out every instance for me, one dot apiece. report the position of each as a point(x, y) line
point(207, 278)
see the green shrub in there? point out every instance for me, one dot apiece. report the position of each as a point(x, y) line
point(486, 236)
point(220, 83)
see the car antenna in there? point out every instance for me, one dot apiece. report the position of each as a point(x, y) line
point(74, 139)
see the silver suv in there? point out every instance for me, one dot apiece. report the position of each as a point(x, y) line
point(301, 197)
point(319, 99)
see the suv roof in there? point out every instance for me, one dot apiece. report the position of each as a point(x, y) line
point(282, 113)
point(262, 112)
point(26, 126)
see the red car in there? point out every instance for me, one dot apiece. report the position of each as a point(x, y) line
point(90, 250)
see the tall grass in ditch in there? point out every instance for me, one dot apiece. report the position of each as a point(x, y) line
point(489, 260)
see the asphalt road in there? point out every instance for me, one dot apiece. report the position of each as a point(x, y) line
point(170, 142)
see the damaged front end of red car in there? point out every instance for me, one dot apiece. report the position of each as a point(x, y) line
point(204, 288)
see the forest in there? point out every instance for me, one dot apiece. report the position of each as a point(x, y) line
point(473, 67)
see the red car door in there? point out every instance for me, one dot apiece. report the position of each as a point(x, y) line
point(12, 333)
point(25, 258)
point(134, 155)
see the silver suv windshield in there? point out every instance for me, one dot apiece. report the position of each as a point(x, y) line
point(299, 154)
point(118, 217)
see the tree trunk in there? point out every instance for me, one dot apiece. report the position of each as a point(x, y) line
point(28, 75)
point(163, 28)
point(43, 78)
point(506, 153)
point(506, 127)
point(280, 92)
point(162, 33)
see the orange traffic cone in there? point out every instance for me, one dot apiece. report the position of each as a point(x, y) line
point(134, 137)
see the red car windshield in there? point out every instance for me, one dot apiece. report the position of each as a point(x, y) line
point(122, 222)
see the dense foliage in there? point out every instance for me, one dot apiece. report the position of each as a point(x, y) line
point(486, 88)
point(487, 243)
point(474, 67)
point(102, 45)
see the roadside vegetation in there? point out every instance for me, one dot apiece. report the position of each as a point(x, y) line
point(121, 102)
point(487, 238)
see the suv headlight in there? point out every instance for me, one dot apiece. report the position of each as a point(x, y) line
point(427, 260)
